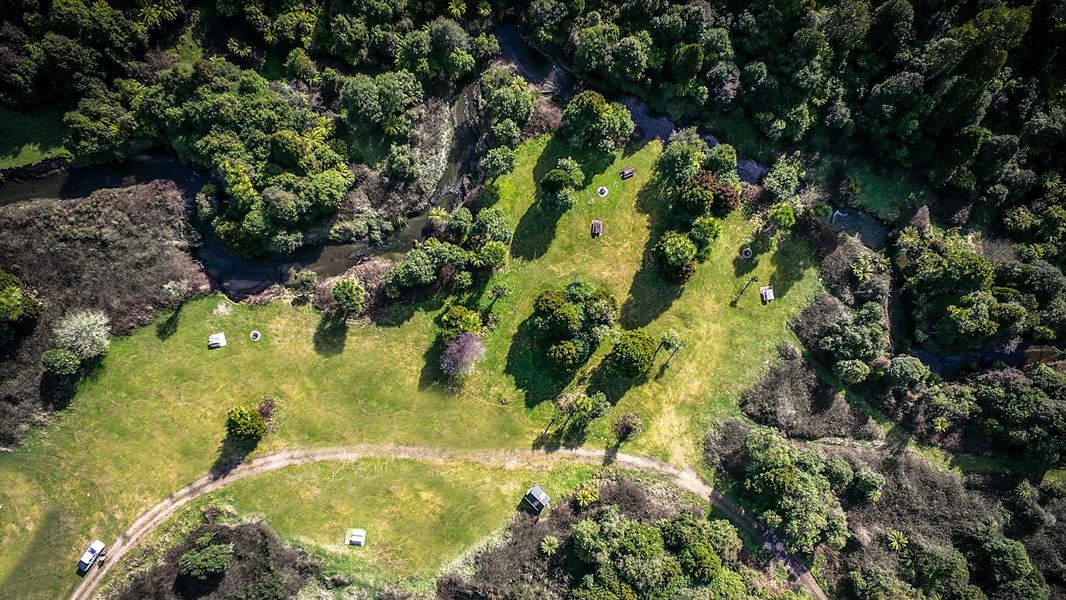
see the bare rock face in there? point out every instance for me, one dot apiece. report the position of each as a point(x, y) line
point(112, 251)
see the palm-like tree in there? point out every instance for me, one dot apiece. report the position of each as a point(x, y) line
point(438, 218)
point(897, 542)
point(457, 8)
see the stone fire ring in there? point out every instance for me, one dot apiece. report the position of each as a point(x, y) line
point(256, 336)
point(602, 192)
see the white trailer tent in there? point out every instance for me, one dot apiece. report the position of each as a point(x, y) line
point(355, 537)
point(216, 340)
point(766, 292)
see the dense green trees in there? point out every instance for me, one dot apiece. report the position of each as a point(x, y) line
point(349, 294)
point(571, 322)
point(633, 353)
point(206, 560)
point(793, 492)
point(595, 124)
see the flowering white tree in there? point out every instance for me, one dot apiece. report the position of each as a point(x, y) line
point(84, 332)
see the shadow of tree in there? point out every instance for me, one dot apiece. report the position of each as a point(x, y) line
point(169, 326)
point(760, 242)
point(57, 390)
point(607, 379)
point(650, 295)
point(231, 453)
point(532, 373)
point(397, 312)
point(331, 334)
point(431, 372)
point(790, 261)
point(534, 232)
point(571, 433)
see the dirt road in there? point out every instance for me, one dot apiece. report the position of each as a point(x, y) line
point(510, 459)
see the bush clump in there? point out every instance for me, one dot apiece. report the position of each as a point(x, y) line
point(634, 353)
point(245, 423)
point(60, 361)
point(571, 322)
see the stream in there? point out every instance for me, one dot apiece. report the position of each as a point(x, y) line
point(239, 277)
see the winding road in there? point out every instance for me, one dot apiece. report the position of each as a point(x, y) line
point(685, 478)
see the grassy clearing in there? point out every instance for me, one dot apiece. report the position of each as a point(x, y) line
point(150, 419)
point(28, 138)
point(727, 347)
point(419, 517)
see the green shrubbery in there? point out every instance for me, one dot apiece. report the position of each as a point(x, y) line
point(245, 423)
point(571, 322)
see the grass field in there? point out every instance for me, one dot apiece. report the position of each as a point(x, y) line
point(27, 138)
point(419, 517)
point(149, 420)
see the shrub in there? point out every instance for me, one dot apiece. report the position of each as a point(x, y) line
point(851, 372)
point(60, 361)
point(563, 356)
point(628, 425)
point(868, 484)
point(634, 352)
point(590, 121)
point(695, 196)
point(586, 496)
point(244, 422)
point(705, 230)
point(683, 156)
point(349, 294)
point(416, 269)
point(676, 249)
point(557, 190)
point(907, 372)
point(497, 162)
point(549, 545)
point(461, 354)
point(506, 134)
point(85, 332)
point(206, 562)
point(782, 215)
point(491, 224)
point(493, 254)
point(784, 177)
point(678, 254)
point(460, 319)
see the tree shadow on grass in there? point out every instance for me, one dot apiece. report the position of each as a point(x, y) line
point(571, 433)
point(169, 326)
point(760, 242)
point(331, 334)
point(650, 295)
point(534, 232)
point(532, 373)
point(431, 372)
point(791, 260)
point(614, 384)
point(397, 312)
point(231, 453)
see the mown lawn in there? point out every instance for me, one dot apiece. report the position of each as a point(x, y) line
point(149, 420)
point(419, 517)
point(30, 137)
